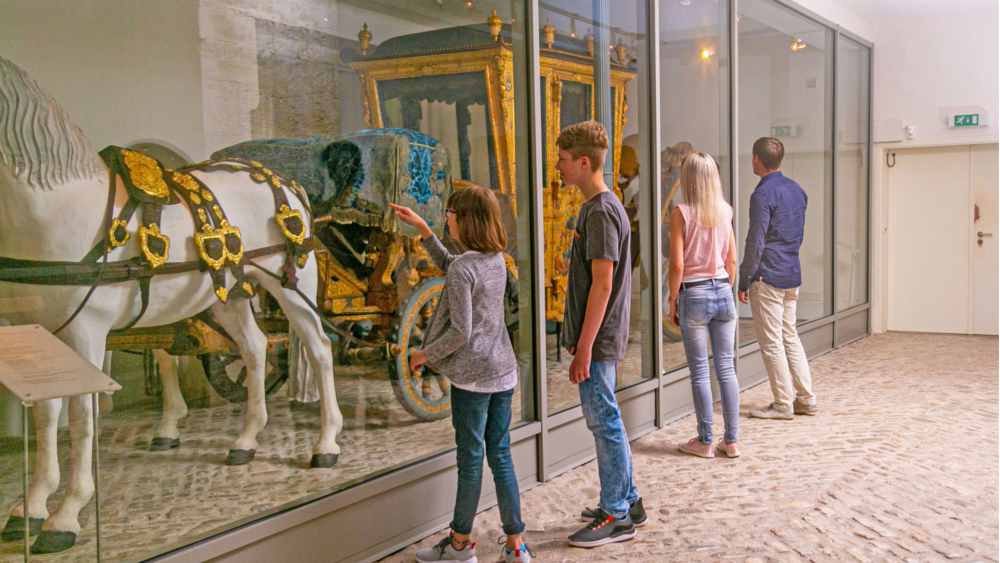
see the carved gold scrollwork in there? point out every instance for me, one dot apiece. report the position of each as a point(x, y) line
point(258, 177)
point(113, 237)
point(146, 174)
point(195, 198)
point(222, 293)
point(153, 232)
point(284, 214)
point(207, 195)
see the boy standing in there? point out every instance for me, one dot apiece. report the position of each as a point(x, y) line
point(595, 328)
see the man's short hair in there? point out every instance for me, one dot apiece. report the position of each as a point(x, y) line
point(769, 151)
point(588, 139)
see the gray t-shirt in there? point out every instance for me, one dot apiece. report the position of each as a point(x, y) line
point(602, 233)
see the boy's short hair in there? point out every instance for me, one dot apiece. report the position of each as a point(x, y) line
point(769, 151)
point(588, 139)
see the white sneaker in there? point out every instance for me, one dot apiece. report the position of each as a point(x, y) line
point(444, 551)
point(522, 554)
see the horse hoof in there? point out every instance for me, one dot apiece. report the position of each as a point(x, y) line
point(162, 444)
point(323, 461)
point(53, 542)
point(14, 530)
point(240, 457)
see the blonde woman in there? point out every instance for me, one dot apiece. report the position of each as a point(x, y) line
point(702, 272)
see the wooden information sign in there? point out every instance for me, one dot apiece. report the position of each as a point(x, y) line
point(35, 366)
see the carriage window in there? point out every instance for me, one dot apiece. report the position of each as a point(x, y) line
point(450, 108)
point(239, 398)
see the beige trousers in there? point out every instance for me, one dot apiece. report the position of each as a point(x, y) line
point(785, 359)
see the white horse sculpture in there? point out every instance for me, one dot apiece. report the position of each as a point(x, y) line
point(53, 192)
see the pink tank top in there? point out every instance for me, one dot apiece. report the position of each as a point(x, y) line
point(705, 249)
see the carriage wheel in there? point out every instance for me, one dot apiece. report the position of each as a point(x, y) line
point(671, 331)
point(426, 395)
point(227, 373)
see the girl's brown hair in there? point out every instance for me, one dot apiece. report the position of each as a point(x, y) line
point(478, 216)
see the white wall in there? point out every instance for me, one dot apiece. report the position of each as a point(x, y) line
point(923, 65)
point(123, 70)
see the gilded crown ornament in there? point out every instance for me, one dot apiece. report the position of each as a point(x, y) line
point(622, 51)
point(495, 24)
point(549, 33)
point(365, 37)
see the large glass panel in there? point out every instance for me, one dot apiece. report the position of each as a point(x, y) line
point(853, 61)
point(786, 91)
point(694, 117)
point(569, 39)
point(346, 99)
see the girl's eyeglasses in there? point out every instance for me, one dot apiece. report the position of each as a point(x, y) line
point(448, 213)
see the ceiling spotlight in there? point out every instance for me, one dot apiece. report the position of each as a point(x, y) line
point(468, 4)
point(685, 2)
point(706, 53)
point(798, 44)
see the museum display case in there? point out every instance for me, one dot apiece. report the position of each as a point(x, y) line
point(234, 161)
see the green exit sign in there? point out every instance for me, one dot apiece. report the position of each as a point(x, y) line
point(782, 130)
point(968, 120)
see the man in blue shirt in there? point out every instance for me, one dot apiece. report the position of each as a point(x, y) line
point(770, 276)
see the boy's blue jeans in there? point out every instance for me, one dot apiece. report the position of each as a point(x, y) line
point(481, 418)
point(709, 312)
point(614, 456)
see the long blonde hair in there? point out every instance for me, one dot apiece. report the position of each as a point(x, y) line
point(702, 190)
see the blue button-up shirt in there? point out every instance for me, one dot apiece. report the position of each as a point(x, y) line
point(777, 221)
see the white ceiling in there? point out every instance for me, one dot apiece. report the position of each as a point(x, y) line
point(881, 10)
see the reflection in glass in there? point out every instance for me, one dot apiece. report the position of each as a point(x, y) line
point(852, 174)
point(694, 117)
point(332, 98)
point(786, 91)
point(567, 67)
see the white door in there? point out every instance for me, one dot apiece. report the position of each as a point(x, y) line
point(944, 276)
point(929, 246)
point(984, 164)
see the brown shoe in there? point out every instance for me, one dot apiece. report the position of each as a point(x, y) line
point(771, 412)
point(801, 408)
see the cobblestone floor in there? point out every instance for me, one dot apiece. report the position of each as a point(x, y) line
point(901, 464)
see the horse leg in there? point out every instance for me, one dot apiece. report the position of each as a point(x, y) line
point(236, 317)
point(167, 436)
point(61, 530)
point(46, 478)
point(306, 323)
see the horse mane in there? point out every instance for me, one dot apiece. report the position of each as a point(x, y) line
point(38, 140)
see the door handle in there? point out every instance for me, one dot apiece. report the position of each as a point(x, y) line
point(982, 234)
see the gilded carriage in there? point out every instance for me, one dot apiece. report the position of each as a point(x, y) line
point(377, 286)
point(459, 83)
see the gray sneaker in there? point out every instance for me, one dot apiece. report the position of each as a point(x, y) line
point(802, 408)
point(444, 551)
point(604, 529)
point(521, 554)
point(770, 411)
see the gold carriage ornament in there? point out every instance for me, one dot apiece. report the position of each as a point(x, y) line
point(469, 72)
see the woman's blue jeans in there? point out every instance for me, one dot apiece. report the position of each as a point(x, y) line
point(481, 418)
point(708, 312)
